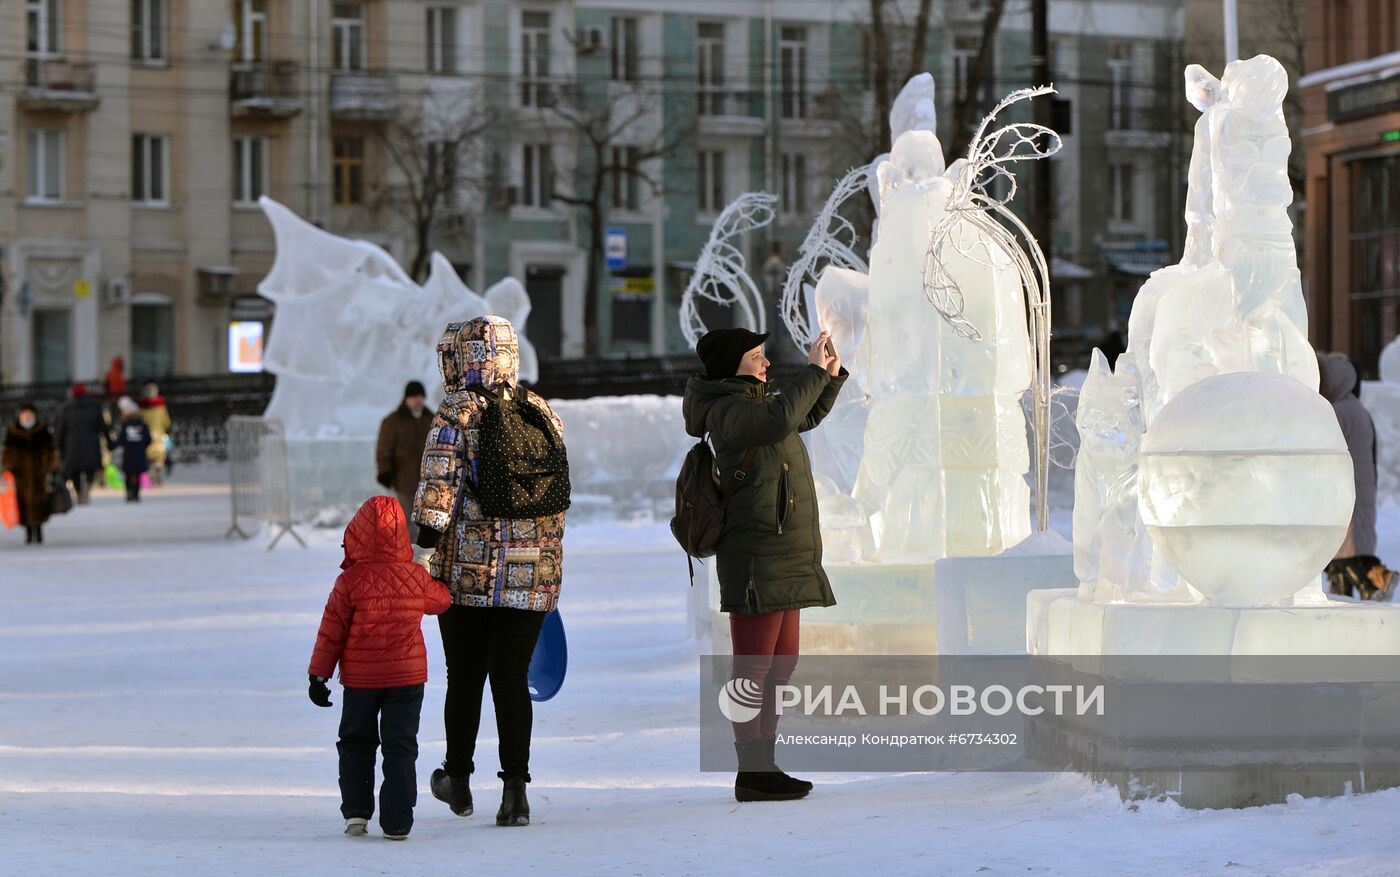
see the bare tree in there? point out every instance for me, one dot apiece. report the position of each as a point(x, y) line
point(430, 151)
point(619, 139)
point(895, 46)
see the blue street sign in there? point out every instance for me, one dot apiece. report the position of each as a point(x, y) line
point(615, 247)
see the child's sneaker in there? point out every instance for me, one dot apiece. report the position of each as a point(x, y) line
point(356, 827)
point(394, 835)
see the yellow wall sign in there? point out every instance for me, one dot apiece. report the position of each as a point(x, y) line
point(633, 287)
point(83, 288)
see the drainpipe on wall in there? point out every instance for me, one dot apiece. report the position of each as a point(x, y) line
point(314, 131)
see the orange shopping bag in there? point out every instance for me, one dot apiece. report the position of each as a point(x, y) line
point(9, 501)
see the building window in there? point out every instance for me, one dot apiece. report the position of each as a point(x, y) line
point(152, 340)
point(441, 176)
point(794, 196)
point(1120, 68)
point(348, 170)
point(149, 168)
point(792, 60)
point(251, 22)
point(42, 28)
point(249, 169)
point(709, 68)
point(710, 181)
point(625, 54)
point(51, 344)
point(1374, 237)
point(625, 178)
point(536, 175)
point(442, 39)
point(148, 31)
point(348, 37)
point(1122, 180)
point(45, 164)
point(964, 59)
point(534, 60)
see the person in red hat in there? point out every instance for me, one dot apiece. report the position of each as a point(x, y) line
point(80, 430)
point(372, 628)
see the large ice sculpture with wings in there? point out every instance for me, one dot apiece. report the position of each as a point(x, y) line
point(936, 338)
point(352, 327)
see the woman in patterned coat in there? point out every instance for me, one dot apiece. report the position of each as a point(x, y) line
point(504, 575)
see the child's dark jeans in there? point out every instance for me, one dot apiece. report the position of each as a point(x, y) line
point(385, 718)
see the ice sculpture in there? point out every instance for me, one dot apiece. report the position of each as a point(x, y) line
point(1382, 400)
point(924, 366)
point(1232, 304)
point(720, 275)
point(352, 327)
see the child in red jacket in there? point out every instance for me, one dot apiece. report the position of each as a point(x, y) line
point(372, 627)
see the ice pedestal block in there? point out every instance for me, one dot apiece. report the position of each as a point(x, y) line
point(880, 610)
point(979, 602)
point(1058, 623)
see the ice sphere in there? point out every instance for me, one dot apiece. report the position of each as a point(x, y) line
point(1246, 486)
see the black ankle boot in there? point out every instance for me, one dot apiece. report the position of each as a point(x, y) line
point(515, 807)
point(792, 782)
point(455, 792)
point(758, 780)
point(28, 535)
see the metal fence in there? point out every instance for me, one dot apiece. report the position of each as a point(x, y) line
point(258, 486)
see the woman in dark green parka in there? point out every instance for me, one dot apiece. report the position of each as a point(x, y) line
point(770, 549)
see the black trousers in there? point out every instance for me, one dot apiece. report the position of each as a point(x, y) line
point(133, 487)
point(496, 644)
point(380, 718)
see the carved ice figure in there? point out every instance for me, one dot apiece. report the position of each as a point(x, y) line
point(352, 328)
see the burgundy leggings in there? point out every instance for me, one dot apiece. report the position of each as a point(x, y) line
point(765, 648)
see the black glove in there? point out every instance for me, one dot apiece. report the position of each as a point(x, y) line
point(318, 691)
point(386, 480)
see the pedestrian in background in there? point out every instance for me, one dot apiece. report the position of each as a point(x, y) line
point(82, 425)
point(115, 382)
point(157, 418)
point(132, 439)
point(398, 453)
point(1356, 570)
point(31, 457)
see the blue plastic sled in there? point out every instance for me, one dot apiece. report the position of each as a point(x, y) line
point(551, 659)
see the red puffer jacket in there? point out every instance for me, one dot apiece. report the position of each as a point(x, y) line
point(373, 623)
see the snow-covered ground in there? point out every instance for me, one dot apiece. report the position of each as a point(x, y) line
point(155, 721)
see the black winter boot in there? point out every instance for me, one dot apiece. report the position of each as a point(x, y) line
point(792, 782)
point(28, 535)
point(455, 792)
point(757, 780)
point(515, 807)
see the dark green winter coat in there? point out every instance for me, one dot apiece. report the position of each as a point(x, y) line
point(770, 550)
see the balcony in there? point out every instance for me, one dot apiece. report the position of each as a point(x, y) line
point(816, 115)
point(1136, 128)
point(729, 113)
point(54, 85)
point(263, 90)
point(363, 96)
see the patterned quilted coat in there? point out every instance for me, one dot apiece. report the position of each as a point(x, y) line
point(373, 621)
point(517, 564)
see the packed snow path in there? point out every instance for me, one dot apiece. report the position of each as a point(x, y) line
point(153, 689)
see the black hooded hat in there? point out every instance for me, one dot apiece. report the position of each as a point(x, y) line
point(723, 349)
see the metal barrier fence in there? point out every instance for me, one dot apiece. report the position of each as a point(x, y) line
point(258, 486)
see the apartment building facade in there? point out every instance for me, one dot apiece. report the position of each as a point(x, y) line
point(1351, 132)
point(137, 135)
